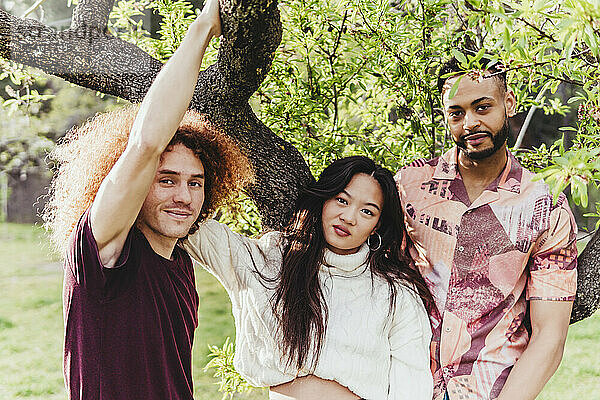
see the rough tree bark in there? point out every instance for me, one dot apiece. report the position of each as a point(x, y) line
point(588, 281)
point(87, 55)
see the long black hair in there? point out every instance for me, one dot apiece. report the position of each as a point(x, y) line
point(298, 299)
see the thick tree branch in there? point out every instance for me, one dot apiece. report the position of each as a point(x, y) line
point(91, 14)
point(87, 57)
point(280, 169)
point(588, 290)
point(251, 34)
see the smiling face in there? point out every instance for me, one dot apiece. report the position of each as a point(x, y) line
point(477, 115)
point(175, 198)
point(350, 217)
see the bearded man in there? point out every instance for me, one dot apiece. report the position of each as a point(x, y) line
point(130, 185)
point(495, 248)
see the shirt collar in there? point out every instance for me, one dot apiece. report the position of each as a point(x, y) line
point(509, 179)
point(447, 167)
point(346, 264)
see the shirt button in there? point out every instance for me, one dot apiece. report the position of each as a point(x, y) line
point(448, 329)
point(460, 248)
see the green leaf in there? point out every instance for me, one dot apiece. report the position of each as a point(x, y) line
point(478, 57)
point(569, 46)
point(454, 88)
point(554, 86)
point(584, 196)
point(506, 39)
point(561, 144)
point(589, 37)
point(460, 57)
point(559, 185)
point(579, 191)
point(562, 161)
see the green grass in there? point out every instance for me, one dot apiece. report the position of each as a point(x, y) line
point(31, 329)
point(31, 322)
point(30, 317)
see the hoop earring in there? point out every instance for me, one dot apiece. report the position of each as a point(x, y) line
point(378, 244)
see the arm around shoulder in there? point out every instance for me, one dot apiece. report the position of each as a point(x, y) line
point(232, 257)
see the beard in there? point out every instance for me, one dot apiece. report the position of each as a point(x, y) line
point(498, 140)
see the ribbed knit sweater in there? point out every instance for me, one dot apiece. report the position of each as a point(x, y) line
point(376, 354)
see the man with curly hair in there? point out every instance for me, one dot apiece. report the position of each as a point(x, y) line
point(130, 185)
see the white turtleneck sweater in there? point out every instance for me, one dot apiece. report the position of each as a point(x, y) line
point(378, 355)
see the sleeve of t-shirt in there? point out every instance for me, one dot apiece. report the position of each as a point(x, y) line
point(410, 337)
point(83, 259)
point(553, 264)
point(231, 257)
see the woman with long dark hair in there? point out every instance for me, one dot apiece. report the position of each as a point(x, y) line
point(332, 307)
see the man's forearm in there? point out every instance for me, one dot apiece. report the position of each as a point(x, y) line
point(533, 369)
point(549, 323)
point(170, 94)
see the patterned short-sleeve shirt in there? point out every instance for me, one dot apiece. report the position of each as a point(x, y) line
point(483, 261)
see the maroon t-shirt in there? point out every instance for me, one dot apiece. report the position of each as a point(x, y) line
point(129, 329)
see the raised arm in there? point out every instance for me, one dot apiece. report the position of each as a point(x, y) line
point(122, 193)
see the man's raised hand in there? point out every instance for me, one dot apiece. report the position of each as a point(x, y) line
point(210, 15)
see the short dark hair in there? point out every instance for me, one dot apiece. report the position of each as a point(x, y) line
point(454, 67)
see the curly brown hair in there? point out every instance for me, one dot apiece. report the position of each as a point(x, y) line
point(85, 156)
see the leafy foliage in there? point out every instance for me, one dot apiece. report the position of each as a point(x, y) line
point(245, 219)
point(346, 80)
point(230, 382)
point(575, 168)
point(127, 23)
point(20, 94)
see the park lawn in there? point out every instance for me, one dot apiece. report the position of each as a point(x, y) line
point(31, 329)
point(31, 322)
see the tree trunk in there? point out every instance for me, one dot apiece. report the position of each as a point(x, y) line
point(588, 281)
point(87, 55)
